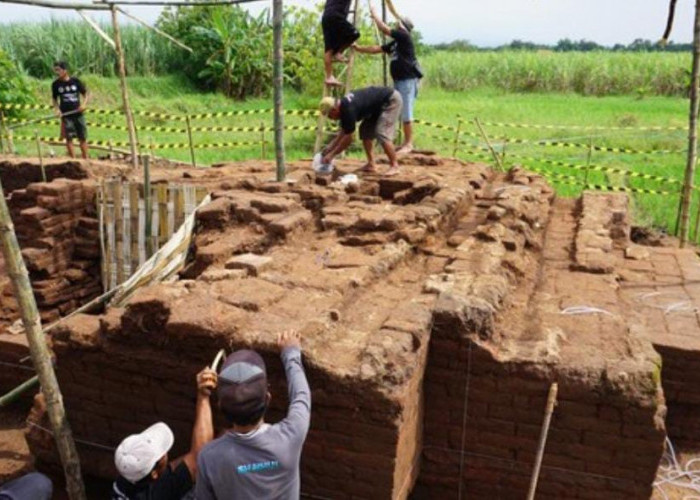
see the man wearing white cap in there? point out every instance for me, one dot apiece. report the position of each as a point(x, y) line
point(142, 459)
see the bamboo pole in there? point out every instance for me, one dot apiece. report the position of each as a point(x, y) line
point(588, 159)
point(262, 140)
point(189, 138)
point(148, 214)
point(2, 132)
point(692, 131)
point(104, 264)
point(125, 93)
point(118, 229)
point(153, 28)
point(551, 401)
point(41, 156)
point(12, 396)
point(179, 206)
point(109, 223)
point(41, 356)
point(134, 225)
point(162, 193)
point(385, 60)
point(106, 6)
point(8, 133)
point(488, 143)
point(97, 29)
point(456, 141)
point(277, 17)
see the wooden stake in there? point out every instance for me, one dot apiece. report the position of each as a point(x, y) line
point(104, 264)
point(277, 16)
point(125, 93)
point(147, 206)
point(41, 157)
point(488, 143)
point(385, 59)
point(262, 140)
point(551, 401)
point(179, 206)
point(588, 160)
point(692, 131)
point(108, 200)
point(189, 138)
point(41, 356)
point(2, 132)
point(456, 141)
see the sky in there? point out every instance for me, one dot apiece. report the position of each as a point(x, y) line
point(492, 22)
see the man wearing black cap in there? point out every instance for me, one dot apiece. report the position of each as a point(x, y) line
point(255, 460)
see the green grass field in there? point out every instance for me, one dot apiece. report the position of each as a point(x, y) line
point(570, 114)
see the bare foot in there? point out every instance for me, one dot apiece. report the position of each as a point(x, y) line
point(333, 82)
point(340, 58)
point(405, 149)
point(368, 168)
point(392, 171)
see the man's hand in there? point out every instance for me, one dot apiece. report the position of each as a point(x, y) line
point(57, 112)
point(326, 159)
point(206, 381)
point(82, 108)
point(290, 338)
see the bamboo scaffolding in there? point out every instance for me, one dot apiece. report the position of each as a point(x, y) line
point(549, 409)
point(692, 132)
point(41, 356)
point(156, 30)
point(107, 5)
point(97, 29)
point(179, 205)
point(125, 92)
point(162, 194)
point(278, 56)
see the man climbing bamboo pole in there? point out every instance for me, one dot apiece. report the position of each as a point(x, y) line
point(41, 357)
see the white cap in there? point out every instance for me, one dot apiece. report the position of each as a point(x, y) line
point(139, 453)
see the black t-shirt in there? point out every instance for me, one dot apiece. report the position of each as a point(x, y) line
point(172, 485)
point(67, 93)
point(403, 56)
point(337, 8)
point(361, 104)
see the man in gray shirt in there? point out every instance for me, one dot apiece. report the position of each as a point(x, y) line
point(255, 460)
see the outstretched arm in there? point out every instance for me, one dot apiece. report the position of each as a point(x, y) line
point(296, 424)
point(339, 144)
point(368, 49)
point(383, 27)
point(203, 430)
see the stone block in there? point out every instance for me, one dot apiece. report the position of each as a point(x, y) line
point(252, 263)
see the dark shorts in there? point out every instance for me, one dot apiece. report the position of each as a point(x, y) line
point(74, 126)
point(383, 126)
point(338, 33)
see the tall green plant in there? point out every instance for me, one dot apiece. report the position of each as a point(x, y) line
point(13, 86)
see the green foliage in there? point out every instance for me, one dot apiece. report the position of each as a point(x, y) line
point(589, 73)
point(35, 47)
point(13, 86)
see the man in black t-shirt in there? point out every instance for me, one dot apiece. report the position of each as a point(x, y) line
point(378, 109)
point(405, 70)
point(338, 35)
point(142, 459)
point(66, 91)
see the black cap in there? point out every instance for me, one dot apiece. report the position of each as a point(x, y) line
point(242, 387)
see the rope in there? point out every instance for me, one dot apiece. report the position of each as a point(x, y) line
point(464, 419)
point(673, 473)
point(680, 302)
point(81, 441)
point(14, 365)
point(576, 310)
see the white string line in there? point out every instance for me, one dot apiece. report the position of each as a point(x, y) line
point(576, 310)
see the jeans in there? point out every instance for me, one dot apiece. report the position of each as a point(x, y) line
point(33, 486)
point(409, 91)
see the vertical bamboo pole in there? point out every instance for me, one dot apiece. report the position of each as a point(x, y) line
point(104, 265)
point(588, 160)
point(134, 225)
point(277, 11)
point(179, 205)
point(118, 229)
point(125, 93)
point(551, 401)
point(41, 156)
point(456, 141)
point(189, 138)
point(2, 132)
point(384, 58)
point(41, 356)
point(162, 193)
point(692, 131)
point(262, 140)
point(108, 199)
point(148, 214)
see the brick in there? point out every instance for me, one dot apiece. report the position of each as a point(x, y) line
point(254, 264)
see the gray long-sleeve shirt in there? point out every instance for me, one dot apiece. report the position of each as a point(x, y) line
point(265, 462)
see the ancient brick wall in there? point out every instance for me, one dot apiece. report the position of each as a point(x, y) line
point(57, 229)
